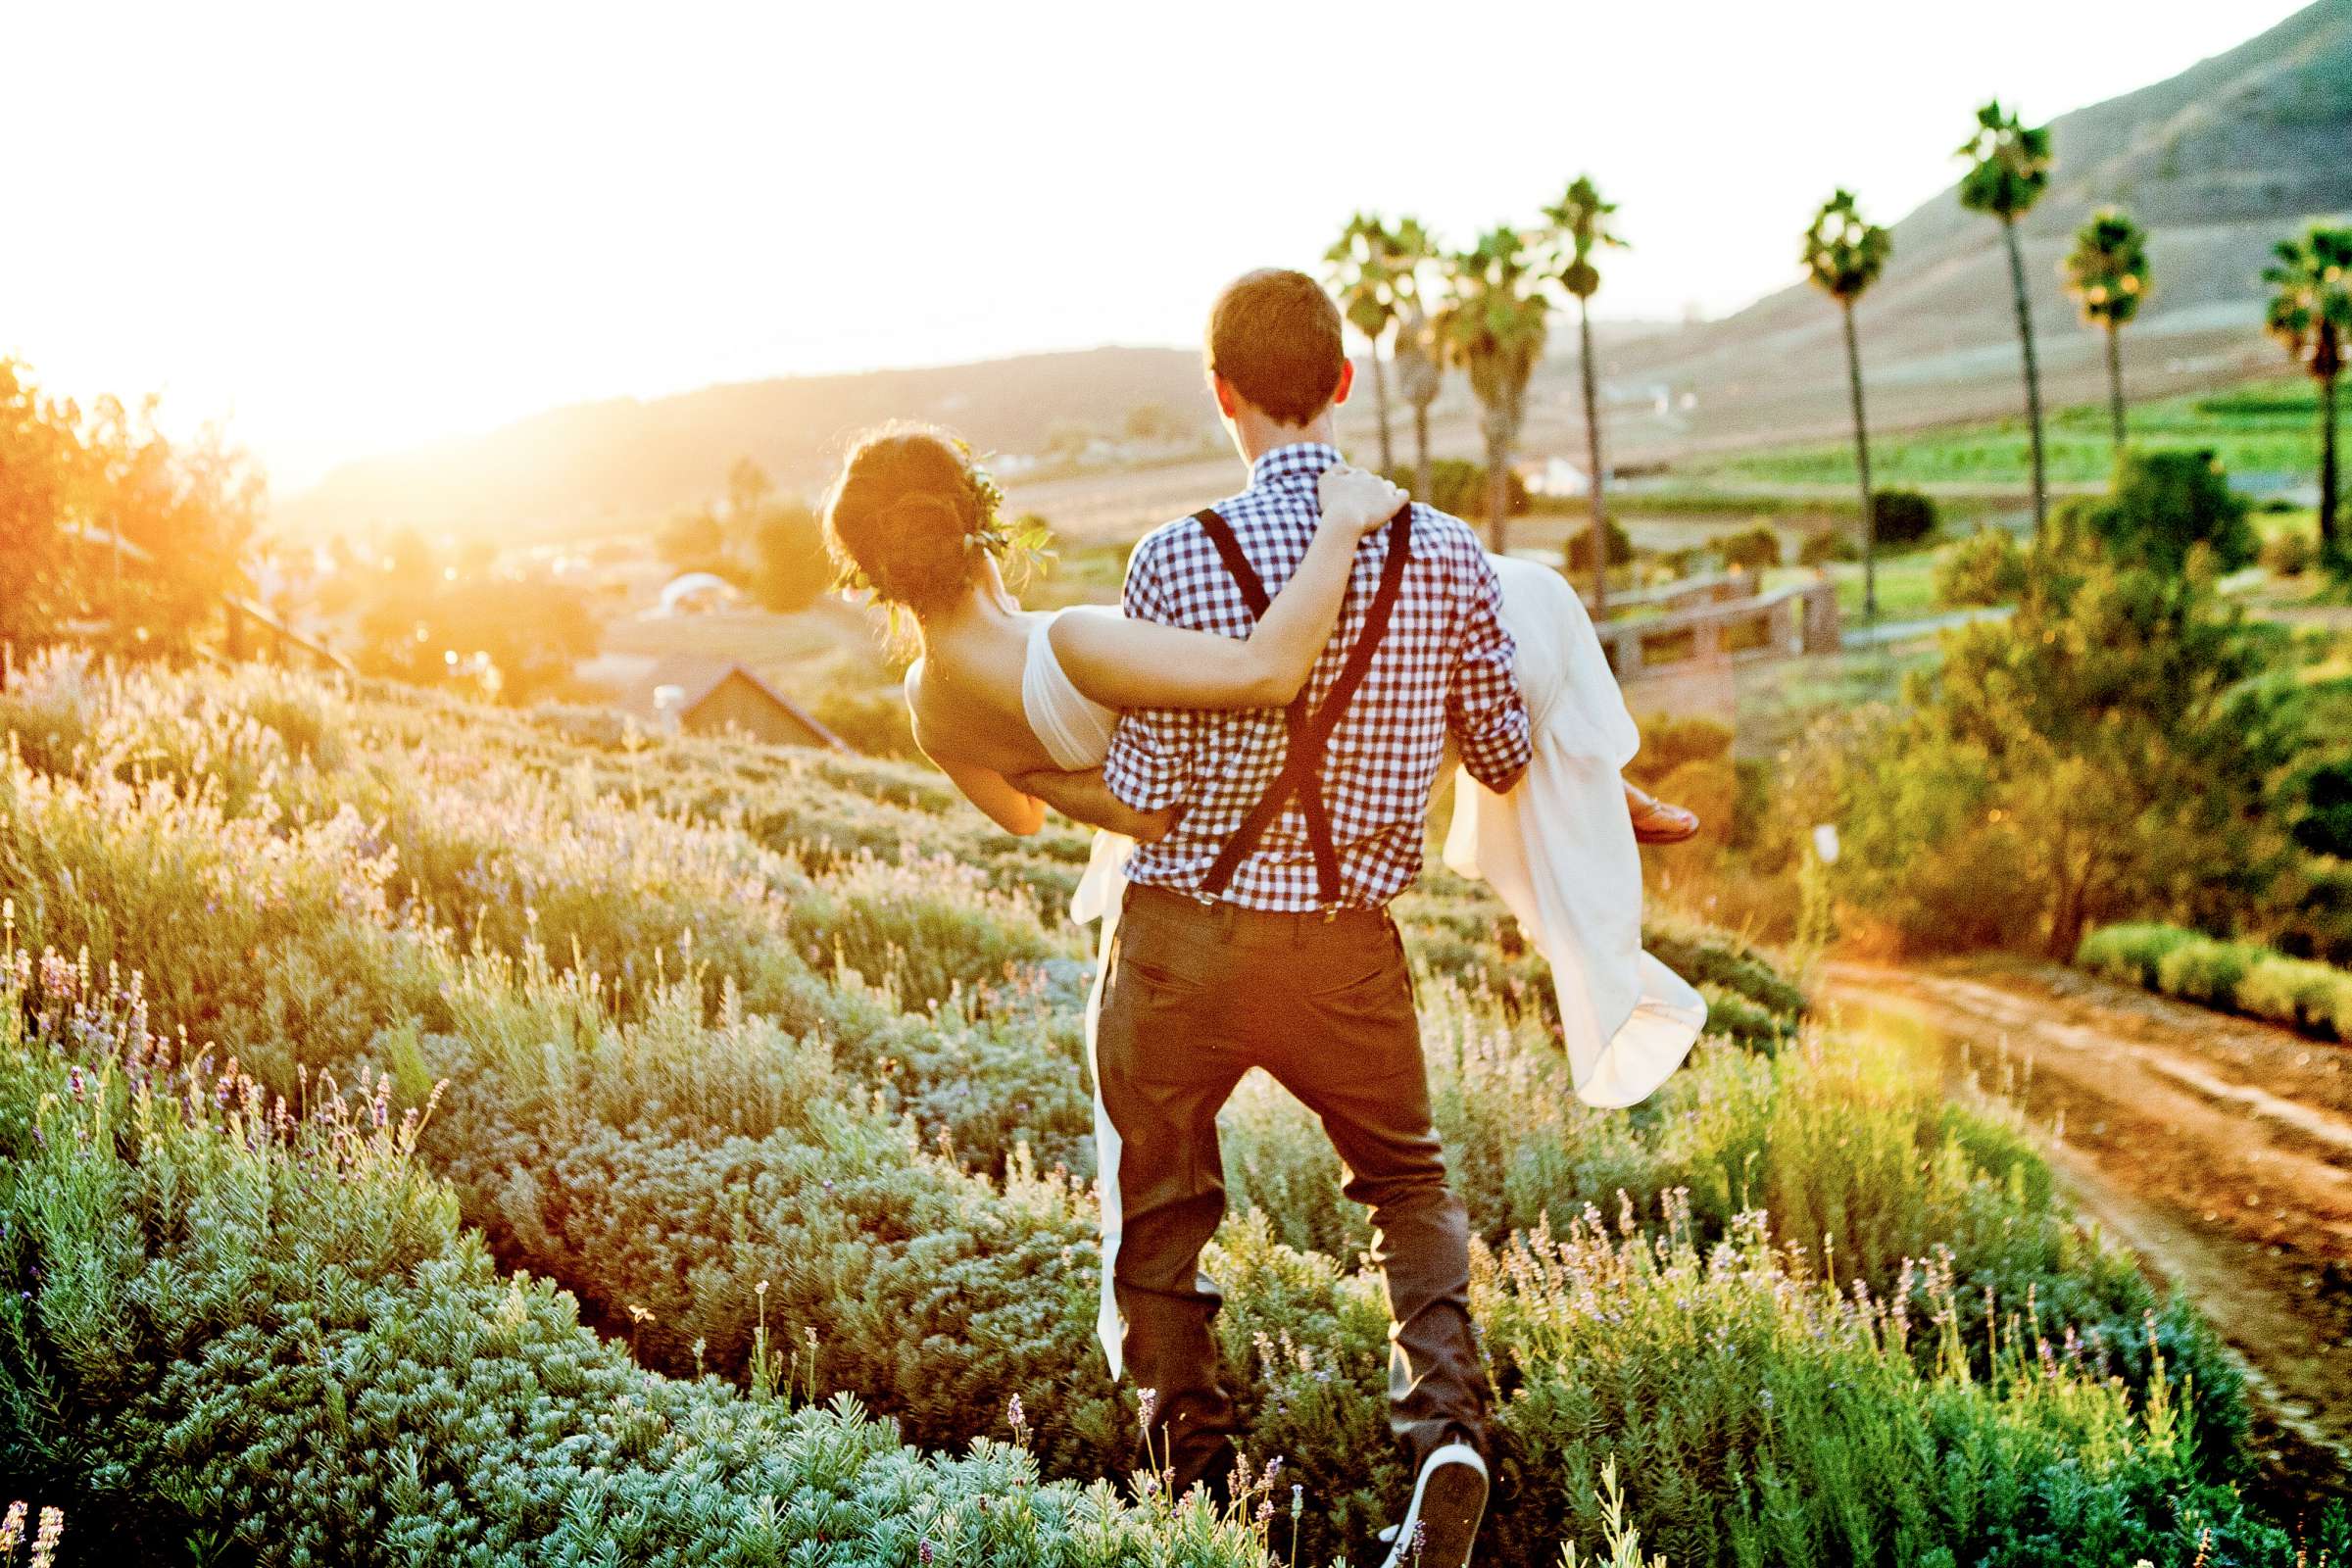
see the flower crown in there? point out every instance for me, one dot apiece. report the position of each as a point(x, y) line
point(1027, 537)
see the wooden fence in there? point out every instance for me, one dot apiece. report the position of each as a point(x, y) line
point(1781, 625)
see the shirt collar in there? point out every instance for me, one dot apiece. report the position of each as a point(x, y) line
point(1305, 459)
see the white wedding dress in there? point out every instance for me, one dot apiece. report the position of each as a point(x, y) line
point(1558, 851)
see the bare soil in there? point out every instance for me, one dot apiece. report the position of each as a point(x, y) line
point(2217, 1149)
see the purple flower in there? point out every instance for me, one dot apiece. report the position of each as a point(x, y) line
point(924, 1551)
point(1150, 1401)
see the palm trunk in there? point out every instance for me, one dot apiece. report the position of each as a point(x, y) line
point(1421, 453)
point(2025, 336)
point(1870, 509)
point(1592, 485)
point(1380, 407)
point(2330, 549)
point(1498, 491)
point(2115, 382)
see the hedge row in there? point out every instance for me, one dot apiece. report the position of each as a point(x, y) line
point(2242, 977)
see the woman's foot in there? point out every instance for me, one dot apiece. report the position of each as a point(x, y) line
point(1658, 823)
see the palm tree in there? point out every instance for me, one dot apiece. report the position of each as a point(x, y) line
point(2311, 315)
point(1494, 326)
point(1580, 226)
point(2107, 270)
point(1844, 253)
point(2009, 169)
point(1420, 358)
point(1362, 276)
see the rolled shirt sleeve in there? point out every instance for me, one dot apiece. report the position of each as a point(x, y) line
point(1150, 763)
point(1483, 706)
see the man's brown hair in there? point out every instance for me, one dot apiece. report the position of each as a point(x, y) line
point(1274, 335)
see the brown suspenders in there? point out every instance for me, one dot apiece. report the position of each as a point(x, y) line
point(1311, 726)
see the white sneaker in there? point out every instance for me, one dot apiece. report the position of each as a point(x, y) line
point(1450, 1498)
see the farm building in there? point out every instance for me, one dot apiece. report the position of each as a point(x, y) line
point(709, 697)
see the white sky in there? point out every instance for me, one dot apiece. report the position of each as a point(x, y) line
point(349, 228)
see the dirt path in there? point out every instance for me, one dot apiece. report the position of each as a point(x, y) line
point(2220, 1151)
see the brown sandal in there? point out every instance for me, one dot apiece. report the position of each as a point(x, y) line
point(1658, 823)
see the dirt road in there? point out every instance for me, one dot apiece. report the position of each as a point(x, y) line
point(2217, 1149)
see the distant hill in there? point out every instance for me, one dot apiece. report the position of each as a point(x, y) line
point(599, 467)
point(2218, 162)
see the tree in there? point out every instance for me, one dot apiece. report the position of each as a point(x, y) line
point(2311, 317)
point(1494, 326)
point(1420, 358)
point(748, 490)
point(693, 541)
point(2107, 272)
point(1361, 265)
point(1580, 226)
point(2009, 169)
point(2111, 749)
point(1844, 253)
point(1157, 421)
point(42, 478)
point(2162, 506)
point(792, 570)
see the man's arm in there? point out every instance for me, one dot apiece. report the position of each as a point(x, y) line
point(1486, 716)
point(1085, 798)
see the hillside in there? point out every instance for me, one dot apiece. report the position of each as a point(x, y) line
point(2218, 162)
point(622, 462)
point(766, 1068)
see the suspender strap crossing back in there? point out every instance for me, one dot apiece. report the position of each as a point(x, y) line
point(1310, 723)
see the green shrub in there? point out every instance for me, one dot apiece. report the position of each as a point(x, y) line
point(2131, 953)
point(2162, 505)
point(1985, 569)
point(2295, 993)
point(1577, 554)
point(1458, 485)
point(1829, 545)
point(1750, 550)
point(1901, 517)
point(2206, 972)
point(232, 1322)
point(2290, 554)
point(2232, 977)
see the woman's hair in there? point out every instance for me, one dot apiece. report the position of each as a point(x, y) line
point(908, 516)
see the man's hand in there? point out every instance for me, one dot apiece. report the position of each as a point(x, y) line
point(1085, 798)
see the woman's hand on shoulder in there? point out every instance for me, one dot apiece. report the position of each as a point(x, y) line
point(1357, 500)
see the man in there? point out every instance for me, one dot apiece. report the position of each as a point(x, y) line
point(1256, 933)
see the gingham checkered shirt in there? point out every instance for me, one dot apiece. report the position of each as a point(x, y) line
point(1445, 664)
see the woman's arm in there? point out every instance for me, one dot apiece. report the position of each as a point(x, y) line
point(1124, 662)
point(1010, 807)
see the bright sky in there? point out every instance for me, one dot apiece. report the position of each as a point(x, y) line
point(349, 229)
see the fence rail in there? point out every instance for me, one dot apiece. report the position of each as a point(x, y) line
point(1781, 625)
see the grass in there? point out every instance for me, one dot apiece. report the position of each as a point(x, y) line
point(2266, 427)
point(764, 1067)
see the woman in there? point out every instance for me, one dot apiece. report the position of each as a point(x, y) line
point(1000, 694)
point(912, 519)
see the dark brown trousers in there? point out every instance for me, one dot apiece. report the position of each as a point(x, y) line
point(1198, 995)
